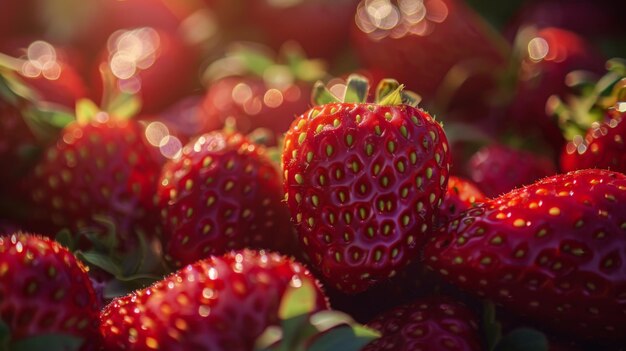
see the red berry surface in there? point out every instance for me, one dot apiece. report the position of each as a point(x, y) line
point(220, 303)
point(364, 182)
point(552, 251)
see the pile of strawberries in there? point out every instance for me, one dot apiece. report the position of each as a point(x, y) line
point(312, 175)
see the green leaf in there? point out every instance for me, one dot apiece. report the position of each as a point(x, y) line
point(298, 301)
point(523, 339)
point(48, 342)
point(322, 96)
point(101, 261)
point(46, 121)
point(345, 338)
point(386, 87)
point(492, 328)
point(86, 110)
point(64, 237)
point(357, 88)
point(254, 60)
point(324, 320)
point(124, 105)
point(410, 98)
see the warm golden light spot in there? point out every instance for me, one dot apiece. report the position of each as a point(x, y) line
point(538, 49)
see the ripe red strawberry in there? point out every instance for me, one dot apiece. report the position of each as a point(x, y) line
point(281, 21)
point(592, 122)
point(158, 66)
point(435, 323)
point(99, 168)
point(394, 36)
point(260, 91)
point(222, 193)
point(497, 169)
point(552, 251)
point(364, 183)
point(597, 19)
point(51, 72)
point(547, 55)
point(220, 303)
point(45, 290)
point(604, 146)
point(462, 195)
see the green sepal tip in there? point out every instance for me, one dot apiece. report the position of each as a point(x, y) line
point(357, 88)
point(323, 96)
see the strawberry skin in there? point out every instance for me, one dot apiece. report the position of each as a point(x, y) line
point(44, 289)
point(552, 251)
point(393, 37)
point(604, 146)
point(254, 104)
point(462, 195)
point(497, 169)
point(223, 193)
point(364, 182)
point(220, 303)
point(434, 324)
point(99, 168)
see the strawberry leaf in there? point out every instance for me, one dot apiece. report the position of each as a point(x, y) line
point(124, 105)
point(86, 110)
point(48, 342)
point(322, 96)
point(64, 237)
point(523, 339)
point(101, 261)
point(298, 301)
point(345, 338)
point(356, 89)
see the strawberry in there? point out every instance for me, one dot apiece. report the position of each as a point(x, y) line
point(222, 193)
point(364, 182)
point(281, 21)
point(157, 65)
point(592, 121)
point(435, 323)
point(597, 19)
point(52, 72)
point(394, 36)
point(604, 146)
point(259, 91)
point(547, 56)
point(462, 195)
point(103, 167)
point(497, 169)
point(45, 290)
point(551, 251)
point(219, 303)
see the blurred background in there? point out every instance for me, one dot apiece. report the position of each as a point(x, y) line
point(485, 67)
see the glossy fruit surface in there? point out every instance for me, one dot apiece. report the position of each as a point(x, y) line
point(222, 193)
point(220, 303)
point(552, 251)
point(364, 182)
point(44, 289)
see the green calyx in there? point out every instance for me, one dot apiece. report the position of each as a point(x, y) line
point(596, 99)
point(278, 71)
point(301, 328)
point(388, 93)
